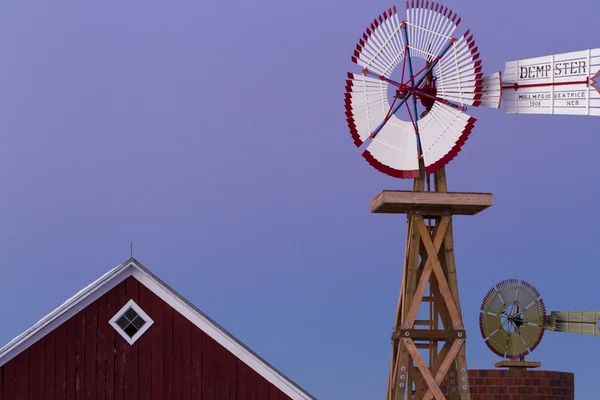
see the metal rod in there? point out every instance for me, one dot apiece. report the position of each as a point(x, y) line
point(516, 86)
point(431, 66)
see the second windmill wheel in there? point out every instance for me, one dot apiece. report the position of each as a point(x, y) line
point(431, 74)
point(513, 319)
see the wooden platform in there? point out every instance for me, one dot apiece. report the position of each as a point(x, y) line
point(430, 203)
point(518, 364)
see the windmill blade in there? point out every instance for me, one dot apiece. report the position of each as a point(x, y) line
point(567, 84)
point(492, 90)
point(393, 151)
point(578, 322)
point(492, 302)
point(530, 334)
point(366, 105)
point(497, 341)
point(508, 290)
point(429, 27)
point(459, 76)
point(444, 130)
point(381, 47)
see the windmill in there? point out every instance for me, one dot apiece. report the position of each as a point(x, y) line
point(416, 62)
point(513, 320)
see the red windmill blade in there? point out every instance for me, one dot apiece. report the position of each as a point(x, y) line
point(435, 97)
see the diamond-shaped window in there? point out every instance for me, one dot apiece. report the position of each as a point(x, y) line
point(131, 322)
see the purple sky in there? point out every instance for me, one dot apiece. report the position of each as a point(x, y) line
point(213, 136)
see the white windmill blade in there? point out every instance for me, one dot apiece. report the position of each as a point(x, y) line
point(566, 84)
point(393, 151)
point(429, 27)
point(381, 47)
point(458, 73)
point(492, 90)
point(459, 76)
point(366, 105)
point(444, 130)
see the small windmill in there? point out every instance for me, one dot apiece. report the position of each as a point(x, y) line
point(413, 63)
point(513, 320)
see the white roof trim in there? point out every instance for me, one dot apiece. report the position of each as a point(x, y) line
point(133, 268)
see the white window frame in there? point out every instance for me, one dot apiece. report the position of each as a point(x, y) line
point(140, 312)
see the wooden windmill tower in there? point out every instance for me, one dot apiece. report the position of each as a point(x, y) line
point(429, 313)
point(428, 339)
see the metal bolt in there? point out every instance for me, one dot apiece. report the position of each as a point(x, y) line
point(464, 379)
point(460, 334)
point(402, 385)
point(458, 323)
point(464, 387)
point(402, 369)
point(463, 370)
point(452, 382)
point(407, 323)
point(402, 377)
point(446, 219)
point(454, 389)
point(406, 333)
point(417, 219)
point(451, 374)
point(460, 341)
point(418, 211)
point(407, 341)
point(446, 212)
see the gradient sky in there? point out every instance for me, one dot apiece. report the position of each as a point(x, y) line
point(213, 136)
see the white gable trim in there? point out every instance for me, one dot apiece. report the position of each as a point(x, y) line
point(62, 314)
point(132, 268)
point(221, 337)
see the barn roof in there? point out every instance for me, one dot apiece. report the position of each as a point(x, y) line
point(132, 267)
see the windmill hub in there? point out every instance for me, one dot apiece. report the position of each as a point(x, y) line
point(512, 318)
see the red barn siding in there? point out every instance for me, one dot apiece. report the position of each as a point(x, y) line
point(86, 359)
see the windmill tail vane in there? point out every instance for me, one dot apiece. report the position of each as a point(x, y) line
point(578, 322)
point(566, 84)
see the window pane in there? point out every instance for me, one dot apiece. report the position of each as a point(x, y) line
point(131, 330)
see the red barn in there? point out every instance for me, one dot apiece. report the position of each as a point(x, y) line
point(130, 336)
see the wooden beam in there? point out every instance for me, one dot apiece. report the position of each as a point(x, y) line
point(430, 203)
point(445, 366)
point(428, 334)
point(424, 369)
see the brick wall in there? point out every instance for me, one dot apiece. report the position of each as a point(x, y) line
point(497, 384)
